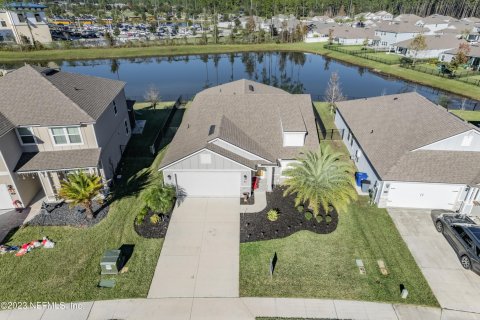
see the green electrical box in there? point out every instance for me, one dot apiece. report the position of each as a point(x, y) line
point(112, 262)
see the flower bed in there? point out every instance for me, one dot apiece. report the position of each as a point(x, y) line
point(147, 229)
point(64, 215)
point(256, 226)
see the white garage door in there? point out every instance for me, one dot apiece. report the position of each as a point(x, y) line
point(5, 199)
point(209, 184)
point(423, 195)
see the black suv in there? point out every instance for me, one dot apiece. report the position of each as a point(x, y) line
point(463, 235)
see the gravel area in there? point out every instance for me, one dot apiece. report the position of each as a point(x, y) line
point(256, 226)
point(64, 215)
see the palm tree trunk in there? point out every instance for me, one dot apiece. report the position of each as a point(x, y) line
point(89, 210)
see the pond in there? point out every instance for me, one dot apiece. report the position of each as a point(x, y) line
point(293, 71)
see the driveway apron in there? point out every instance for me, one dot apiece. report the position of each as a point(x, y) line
point(200, 255)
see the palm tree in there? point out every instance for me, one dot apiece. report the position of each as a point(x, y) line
point(322, 179)
point(81, 188)
point(159, 198)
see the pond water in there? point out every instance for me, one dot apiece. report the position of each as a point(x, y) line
point(292, 71)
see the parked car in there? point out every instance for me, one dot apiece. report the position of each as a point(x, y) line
point(463, 235)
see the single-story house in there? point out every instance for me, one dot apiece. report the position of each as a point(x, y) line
point(436, 45)
point(237, 139)
point(434, 22)
point(347, 35)
point(414, 152)
point(473, 56)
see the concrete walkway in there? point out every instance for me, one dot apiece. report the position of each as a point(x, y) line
point(234, 309)
point(11, 219)
point(200, 255)
point(454, 287)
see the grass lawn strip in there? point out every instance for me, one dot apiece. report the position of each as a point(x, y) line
point(467, 115)
point(71, 271)
point(458, 87)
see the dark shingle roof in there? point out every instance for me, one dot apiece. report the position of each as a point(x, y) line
point(389, 129)
point(35, 95)
point(58, 160)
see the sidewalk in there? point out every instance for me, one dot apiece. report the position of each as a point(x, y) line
point(236, 309)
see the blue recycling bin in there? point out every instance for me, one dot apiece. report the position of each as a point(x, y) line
point(359, 177)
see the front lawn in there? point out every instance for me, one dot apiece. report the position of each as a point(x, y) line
point(323, 266)
point(467, 115)
point(71, 270)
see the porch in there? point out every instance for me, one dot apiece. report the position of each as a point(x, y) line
point(53, 167)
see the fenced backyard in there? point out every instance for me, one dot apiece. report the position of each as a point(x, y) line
point(366, 53)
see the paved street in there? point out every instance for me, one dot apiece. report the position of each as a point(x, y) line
point(200, 255)
point(454, 287)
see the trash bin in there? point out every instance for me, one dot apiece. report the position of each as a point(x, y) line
point(365, 185)
point(359, 176)
point(112, 262)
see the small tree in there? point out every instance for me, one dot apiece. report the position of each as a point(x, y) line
point(462, 55)
point(333, 93)
point(250, 26)
point(330, 36)
point(152, 95)
point(418, 43)
point(159, 198)
point(81, 188)
point(109, 39)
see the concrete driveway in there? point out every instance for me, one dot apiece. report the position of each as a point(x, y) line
point(454, 287)
point(200, 255)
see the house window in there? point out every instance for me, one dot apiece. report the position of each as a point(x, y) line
point(67, 135)
point(127, 129)
point(38, 18)
point(26, 136)
point(21, 17)
point(3, 23)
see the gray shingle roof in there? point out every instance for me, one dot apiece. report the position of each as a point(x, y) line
point(58, 160)
point(40, 96)
point(446, 41)
point(399, 27)
point(389, 128)
point(251, 120)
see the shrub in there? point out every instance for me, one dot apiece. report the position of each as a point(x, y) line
point(328, 218)
point(308, 215)
point(154, 219)
point(272, 215)
point(319, 218)
point(159, 198)
point(141, 215)
point(300, 208)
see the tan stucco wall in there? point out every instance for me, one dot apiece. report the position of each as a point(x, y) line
point(111, 135)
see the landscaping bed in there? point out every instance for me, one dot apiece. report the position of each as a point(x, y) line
point(147, 229)
point(65, 215)
point(256, 226)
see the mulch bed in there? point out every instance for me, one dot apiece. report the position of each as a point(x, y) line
point(64, 215)
point(150, 230)
point(256, 226)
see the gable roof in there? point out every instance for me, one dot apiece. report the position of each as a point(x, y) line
point(389, 128)
point(434, 42)
point(251, 120)
point(41, 96)
point(399, 27)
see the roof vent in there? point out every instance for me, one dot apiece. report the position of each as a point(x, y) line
point(251, 88)
point(396, 98)
point(211, 130)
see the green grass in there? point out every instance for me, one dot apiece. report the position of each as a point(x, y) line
point(467, 115)
point(71, 271)
point(386, 56)
point(328, 121)
point(461, 88)
point(323, 266)
point(147, 105)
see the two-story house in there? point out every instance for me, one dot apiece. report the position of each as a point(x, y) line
point(21, 20)
point(53, 123)
point(415, 154)
point(389, 33)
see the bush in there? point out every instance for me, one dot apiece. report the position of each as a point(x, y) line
point(141, 215)
point(328, 218)
point(319, 218)
point(406, 61)
point(308, 215)
point(154, 219)
point(272, 215)
point(300, 208)
point(159, 198)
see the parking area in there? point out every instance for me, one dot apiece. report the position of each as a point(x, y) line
point(454, 287)
point(200, 255)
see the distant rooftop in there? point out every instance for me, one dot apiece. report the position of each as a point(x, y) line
point(25, 5)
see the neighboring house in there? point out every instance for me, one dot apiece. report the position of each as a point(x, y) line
point(347, 35)
point(435, 22)
point(473, 56)
point(53, 123)
point(415, 153)
point(381, 15)
point(235, 134)
point(20, 19)
point(322, 19)
point(407, 18)
point(436, 45)
point(283, 22)
point(393, 32)
point(256, 19)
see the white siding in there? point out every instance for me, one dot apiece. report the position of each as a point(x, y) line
point(239, 151)
point(293, 139)
point(457, 143)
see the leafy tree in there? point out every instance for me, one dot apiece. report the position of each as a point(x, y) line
point(81, 188)
point(418, 43)
point(109, 39)
point(159, 198)
point(462, 55)
point(333, 93)
point(152, 95)
point(250, 26)
point(321, 179)
point(330, 36)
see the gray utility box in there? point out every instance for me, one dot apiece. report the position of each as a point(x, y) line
point(365, 185)
point(112, 262)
